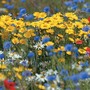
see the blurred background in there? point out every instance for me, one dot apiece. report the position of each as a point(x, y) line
point(14, 6)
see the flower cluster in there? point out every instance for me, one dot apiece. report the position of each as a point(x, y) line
point(44, 51)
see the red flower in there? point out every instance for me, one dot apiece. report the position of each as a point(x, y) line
point(9, 85)
point(88, 50)
point(79, 42)
point(89, 19)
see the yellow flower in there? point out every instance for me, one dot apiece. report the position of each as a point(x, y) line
point(9, 73)
point(53, 85)
point(29, 69)
point(55, 50)
point(29, 33)
point(71, 16)
point(2, 25)
point(71, 39)
point(78, 24)
point(61, 26)
point(18, 76)
point(3, 1)
point(61, 60)
point(22, 30)
point(69, 25)
point(19, 35)
point(45, 26)
point(22, 41)
point(36, 14)
point(2, 77)
point(49, 43)
point(19, 23)
point(39, 52)
point(60, 35)
point(27, 23)
point(51, 31)
point(62, 48)
point(19, 69)
point(15, 40)
point(84, 20)
point(41, 87)
point(80, 33)
point(69, 31)
point(81, 51)
point(4, 35)
point(40, 14)
point(10, 28)
point(69, 52)
point(3, 66)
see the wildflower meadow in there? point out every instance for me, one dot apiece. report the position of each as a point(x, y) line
point(44, 44)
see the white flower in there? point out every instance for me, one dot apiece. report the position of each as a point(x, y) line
point(31, 78)
point(14, 55)
point(73, 66)
point(88, 70)
point(1, 52)
point(49, 72)
point(39, 45)
point(79, 67)
point(40, 77)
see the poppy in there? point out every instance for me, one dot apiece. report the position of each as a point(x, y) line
point(9, 85)
point(89, 19)
point(79, 42)
point(88, 49)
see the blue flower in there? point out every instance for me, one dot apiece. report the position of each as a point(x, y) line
point(76, 53)
point(5, 5)
point(64, 72)
point(46, 84)
point(2, 88)
point(81, 1)
point(26, 73)
point(49, 48)
point(7, 45)
point(68, 3)
point(74, 78)
point(51, 77)
point(36, 38)
point(88, 10)
point(46, 39)
point(83, 75)
point(22, 11)
point(74, 7)
point(68, 47)
point(86, 64)
point(31, 54)
point(23, 1)
point(78, 1)
point(24, 63)
point(46, 9)
point(86, 28)
point(83, 9)
point(60, 52)
point(9, 7)
point(29, 17)
point(2, 56)
point(87, 5)
point(88, 35)
point(51, 53)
